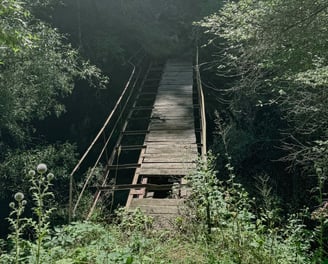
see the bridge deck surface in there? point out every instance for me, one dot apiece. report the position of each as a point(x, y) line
point(171, 147)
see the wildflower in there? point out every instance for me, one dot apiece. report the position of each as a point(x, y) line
point(31, 173)
point(50, 176)
point(12, 205)
point(19, 196)
point(41, 168)
point(24, 202)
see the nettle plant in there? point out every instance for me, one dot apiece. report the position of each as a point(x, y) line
point(224, 217)
point(23, 250)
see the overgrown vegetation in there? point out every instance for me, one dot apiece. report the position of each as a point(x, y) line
point(220, 223)
point(269, 62)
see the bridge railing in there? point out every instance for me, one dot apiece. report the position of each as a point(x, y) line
point(106, 134)
point(202, 107)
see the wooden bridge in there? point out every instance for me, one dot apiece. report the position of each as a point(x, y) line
point(160, 121)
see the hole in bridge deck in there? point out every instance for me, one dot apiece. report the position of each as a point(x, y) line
point(133, 140)
point(127, 157)
point(161, 181)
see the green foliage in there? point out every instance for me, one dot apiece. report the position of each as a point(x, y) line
point(237, 234)
point(18, 224)
point(320, 215)
point(40, 184)
point(225, 213)
point(38, 69)
point(27, 250)
point(134, 221)
point(17, 163)
point(86, 242)
point(14, 32)
point(271, 59)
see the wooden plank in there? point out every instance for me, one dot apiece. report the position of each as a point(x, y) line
point(170, 115)
point(182, 78)
point(177, 113)
point(174, 148)
point(175, 82)
point(167, 108)
point(183, 71)
point(171, 150)
point(168, 126)
point(168, 151)
point(170, 136)
point(172, 139)
point(190, 131)
point(168, 158)
point(166, 111)
point(167, 165)
point(174, 96)
point(172, 122)
point(188, 119)
point(184, 154)
point(159, 202)
point(173, 102)
point(175, 151)
point(175, 87)
point(172, 133)
point(136, 187)
point(186, 94)
point(164, 172)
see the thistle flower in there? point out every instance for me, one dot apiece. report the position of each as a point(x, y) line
point(318, 170)
point(12, 205)
point(19, 196)
point(24, 202)
point(42, 168)
point(31, 173)
point(50, 176)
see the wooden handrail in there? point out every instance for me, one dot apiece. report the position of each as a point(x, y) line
point(157, 187)
point(102, 129)
point(202, 107)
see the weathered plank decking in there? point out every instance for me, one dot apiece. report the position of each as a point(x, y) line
point(171, 148)
point(171, 143)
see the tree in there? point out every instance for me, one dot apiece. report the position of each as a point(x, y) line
point(274, 54)
point(38, 69)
